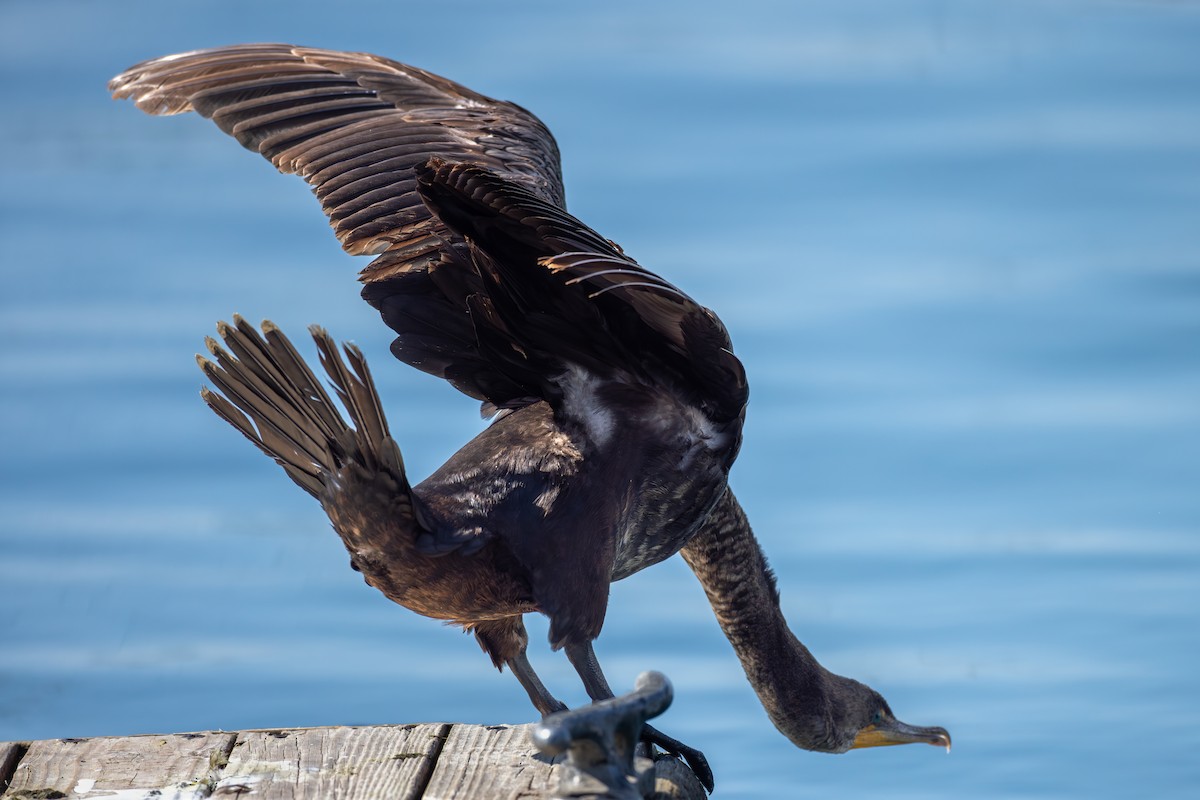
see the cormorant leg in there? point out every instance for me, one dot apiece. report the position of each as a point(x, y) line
point(543, 701)
point(583, 659)
point(505, 640)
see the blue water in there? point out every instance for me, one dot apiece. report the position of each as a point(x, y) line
point(957, 245)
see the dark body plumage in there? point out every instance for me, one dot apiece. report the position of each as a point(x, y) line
point(618, 400)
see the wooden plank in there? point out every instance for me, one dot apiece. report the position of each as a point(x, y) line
point(375, 763)
point(497, 762)
point(182, 765)
point(418, 762)
point(674, 780)
point(10, 755)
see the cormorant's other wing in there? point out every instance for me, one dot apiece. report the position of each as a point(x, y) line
point(555, 296)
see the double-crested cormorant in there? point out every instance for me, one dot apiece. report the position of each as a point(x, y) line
point(618, 400)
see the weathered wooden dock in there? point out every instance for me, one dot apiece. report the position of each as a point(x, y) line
point(437, 761)
point(589, 753)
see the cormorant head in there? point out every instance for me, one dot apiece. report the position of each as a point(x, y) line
point(860, 717)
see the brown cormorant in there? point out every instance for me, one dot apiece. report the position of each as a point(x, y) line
point(618, 400)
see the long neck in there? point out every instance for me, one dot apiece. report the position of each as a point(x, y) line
point(731, 567)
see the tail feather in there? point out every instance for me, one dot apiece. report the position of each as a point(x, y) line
point(266, 390)
point(368, 400)
point(357, 392)
point(268, 405)
point(278, 364)
point(306, 480)
point(317, 400)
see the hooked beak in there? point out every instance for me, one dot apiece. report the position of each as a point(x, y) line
point(893, 731)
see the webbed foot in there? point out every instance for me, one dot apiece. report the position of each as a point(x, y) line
point(691, 756)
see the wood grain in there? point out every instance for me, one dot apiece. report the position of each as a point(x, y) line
point(181, 765)
point(10, 755)
point(389, 762)
point(497, 762)
point(392, 761)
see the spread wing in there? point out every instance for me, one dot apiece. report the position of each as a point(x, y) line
point(485, 278)
point(355, 126)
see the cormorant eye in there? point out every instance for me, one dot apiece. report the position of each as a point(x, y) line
point(877, 718)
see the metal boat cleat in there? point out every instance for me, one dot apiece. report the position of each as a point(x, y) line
point(601, 743)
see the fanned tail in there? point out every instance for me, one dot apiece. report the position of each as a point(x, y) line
point(267, 391)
